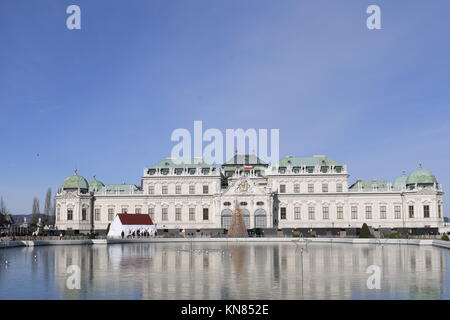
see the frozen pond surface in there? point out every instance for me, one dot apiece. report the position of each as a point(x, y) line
point(221, 271)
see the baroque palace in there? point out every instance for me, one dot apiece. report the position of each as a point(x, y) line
point(302, 193)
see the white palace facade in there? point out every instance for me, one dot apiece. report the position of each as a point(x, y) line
point(302, 193)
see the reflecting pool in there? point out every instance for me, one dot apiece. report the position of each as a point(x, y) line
point(224, 271)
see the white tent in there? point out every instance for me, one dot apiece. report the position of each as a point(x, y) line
point(129, 223)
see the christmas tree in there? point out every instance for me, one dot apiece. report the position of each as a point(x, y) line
point(237, 226)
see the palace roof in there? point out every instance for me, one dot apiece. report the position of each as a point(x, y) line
point(172, 163)
point(241, 159)
point(313, 161)
point(421, 176)
point(75, 181)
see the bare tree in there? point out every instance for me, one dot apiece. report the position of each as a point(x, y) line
point(48, 205)
point(36, 211)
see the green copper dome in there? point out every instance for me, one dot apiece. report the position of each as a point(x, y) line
point(95, 185)
point(400, 182)
point(421, 176)
point(75, 181)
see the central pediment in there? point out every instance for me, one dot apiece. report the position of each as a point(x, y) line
point(244, 186)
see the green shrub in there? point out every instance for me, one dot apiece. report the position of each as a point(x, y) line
point(392, 235)
point(445, 237)
point(310, 235)
point(365, 232)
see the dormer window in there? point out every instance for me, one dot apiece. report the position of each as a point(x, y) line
point(165, 171)
point(310, 169)
point(178, 171)
point(192, 171)
point(205, 170)
point(324, 169)
point(296, 170)
point(151, 172)
point(282, 170)
point(338, 169)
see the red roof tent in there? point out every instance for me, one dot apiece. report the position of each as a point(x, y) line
point(135, 219)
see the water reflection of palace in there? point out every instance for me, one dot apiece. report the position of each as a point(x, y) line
point(250, 271)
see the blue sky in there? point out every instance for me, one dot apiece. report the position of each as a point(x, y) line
point(105, 99)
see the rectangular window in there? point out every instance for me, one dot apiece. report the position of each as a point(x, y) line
point(383, 212)
point(70, 214)
point(440, 211)
point(297, 213)
point(164, 214)
point(165, 189)
point(398, 212)
point(151, 189)
point(124, 210)
point(339, 187)
point(311, 213)
point(97, 214)
point(58, 213)
point(326, 213)
point(411, 211)
point(191, 214)
point(354, 212)
point(84, 214)
point(192, 189)
point(178, 189)
point(178, 214)
point(282, 188)
point(310, 187)
point(340, 213)
point(110, 214)
point(283, 213)
point(151, 212)
point(137, 210)
point(205, 189)
point(297, 188)
point(205, 214)
point(324, 187)
point(426, 211)
point(368, 212)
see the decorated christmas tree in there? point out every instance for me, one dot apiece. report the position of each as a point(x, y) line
point(237, 226)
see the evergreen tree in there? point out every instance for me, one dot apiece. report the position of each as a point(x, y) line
point(3, 209)
point(48, 206)
point(365, 232)
point(35, 213)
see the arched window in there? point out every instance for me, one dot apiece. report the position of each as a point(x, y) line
point(227, 214)
point(246, 216)
point(260, 218)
